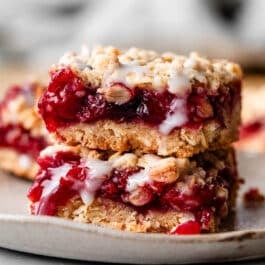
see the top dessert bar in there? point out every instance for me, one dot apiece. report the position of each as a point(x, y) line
point(167, 104)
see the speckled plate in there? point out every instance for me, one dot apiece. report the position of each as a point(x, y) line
point(243, 236)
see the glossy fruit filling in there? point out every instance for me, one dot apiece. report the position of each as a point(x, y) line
point(19, 139)
point(187, 228)
point(64, 176)
point(68, 100)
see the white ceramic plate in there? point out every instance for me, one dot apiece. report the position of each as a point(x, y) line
point(244, 237)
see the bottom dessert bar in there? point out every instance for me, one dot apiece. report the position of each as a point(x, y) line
point(19, 164)
point(19, 150)
point(22, 133)
point(136, 192)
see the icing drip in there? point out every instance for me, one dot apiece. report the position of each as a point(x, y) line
point(176, 118)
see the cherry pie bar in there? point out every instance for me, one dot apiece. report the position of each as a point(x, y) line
point(142, 141)
point(22, 132)
point(140, 100)
point(252, 136)
point(252, 130)
point(136, 192)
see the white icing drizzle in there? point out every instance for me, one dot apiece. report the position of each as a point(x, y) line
point(157, 82)
point(57, 173)
point(79, 61)
point(97, 167)
point(176, 119)
point(96, 172)
point(102, 61)
point(24, 161)
point(138, 179)
point(142, 177)
point(121, 74)
point(191, 62)
point(178, 84)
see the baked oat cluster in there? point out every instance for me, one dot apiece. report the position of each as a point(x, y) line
point(101, 67)
point(142, 141)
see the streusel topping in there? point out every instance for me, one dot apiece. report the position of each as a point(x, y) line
point(104, 66)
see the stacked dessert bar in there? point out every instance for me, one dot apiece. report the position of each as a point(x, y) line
point(143, 141)
point(22, 132)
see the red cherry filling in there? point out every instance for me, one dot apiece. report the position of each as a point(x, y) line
point(62, 192)
point(65, 175)
point(68, 100)
point(190, 200)
point(153, 106)
point(115, 185)
point(19, 139)
point(187, 228)
point(63, 98)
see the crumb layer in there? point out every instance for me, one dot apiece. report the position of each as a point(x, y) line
point(121, 137)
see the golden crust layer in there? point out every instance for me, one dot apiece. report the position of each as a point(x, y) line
point(122, 137)
point(104, 212)
point(107, 213)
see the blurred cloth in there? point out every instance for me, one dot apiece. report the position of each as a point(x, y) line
point(41, 31)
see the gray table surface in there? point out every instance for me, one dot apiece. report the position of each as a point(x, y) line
point(8, 257)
